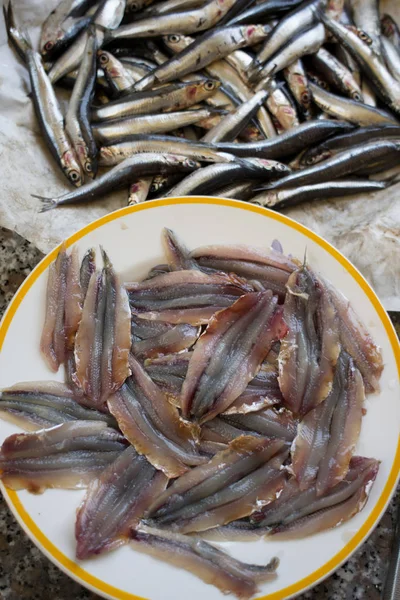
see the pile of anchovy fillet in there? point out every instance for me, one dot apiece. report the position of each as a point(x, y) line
point(237, 86)
point(221, 398)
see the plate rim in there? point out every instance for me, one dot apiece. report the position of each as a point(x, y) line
point(73, 569)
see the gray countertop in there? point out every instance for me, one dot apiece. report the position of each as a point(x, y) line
point(25, 573)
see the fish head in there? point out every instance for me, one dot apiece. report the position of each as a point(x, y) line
point(50, 43)
point(103, 58)
point(176, 42)
point(362, 35)
point(255, 33)
point(71, 168)
point(187, 164)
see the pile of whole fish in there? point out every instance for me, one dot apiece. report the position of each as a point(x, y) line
point(220, 398)
point(271, 101)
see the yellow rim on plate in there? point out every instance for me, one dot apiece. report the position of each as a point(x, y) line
point(97, 585)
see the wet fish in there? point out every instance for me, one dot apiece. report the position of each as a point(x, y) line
point(237, 191)
point(62, 25)
point(66, 456)
point(227, 496)
point(137, 165)
point(115, 502)
point(263, 10)
point(40, 404)
point(391, 30)
point(307, 193)
point(186, 22)
point(337, 74)
point(297, 81)
point(103, 339)
point(210, 564)
point(119, 78)
point(366, 17)
point(270, 269)
point(175, 339)
point(153, 426)
point(281, 107)
point(392, 57)
point(108, 15)
point(310, 349)
point(244, 332)
point(269, 422)
point(169, 372)
point(139, 190)
point(327, 435)
point(178, 256)
point(185, 296)
point(350, 110)
point(168, 98)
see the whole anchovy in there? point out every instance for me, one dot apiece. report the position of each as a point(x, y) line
point(263, 10)
point(349, 110)
point(301, 18)
point(345, 163)
point(119, 79)
point(233, 123)
point(210, 564)
point(190, 21)
point(336, 143)
point(167, 98)
point(77, 121)
point(40, 404)
point(118, 130)
point(366, 17)
point(305, 43)
point(206, 49)
point(290, 142)
point(358, 44)
point(108, 15)
point(136, 144)
point(297, 81)
point(337, 74)
point(392, 57)
point(391, 30)
point(62, 25)
point(66, 456)
point(120, 175)
point(45, 102)
point(307, 193)
point(214, 176)
point(115, 502)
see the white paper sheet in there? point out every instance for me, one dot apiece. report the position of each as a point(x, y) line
point(366, 229)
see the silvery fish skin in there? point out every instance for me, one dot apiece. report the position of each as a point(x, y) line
point(237, 191)
point(350, 110)
point(345, 163)
point(336, 143)
point(281, 107)
point(166, 99)
point(390, 30)
point(153, 426)
point(301, 18)
point(327, 435)
point(115, 502)
point(218, 175)
point(297, 81)
point(309, 351)
point(169, 6)
point(392, 57)
point(337, 74)
point(305, 43)
point(117, 130)
point(66, 456)
point(119, 79)
point(139, 164)
point(262, 10)
point(358, 43)
point(103, 339)
point(40, 404)
point(108, 15)
point(116, 153)
point(288, 143)
point(77, 122)
point(186, 22)
point(256, 321)
point(278, 199)
point(185, 296)
point(233, 123)
point(139, 190)
point(211, 565)
point(62, 25)
point(366, 17)
point(208, 48)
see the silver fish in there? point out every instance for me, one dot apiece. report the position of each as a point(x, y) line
point(119, 79)
point(337, 74)
point(366, 17)
point(62, 25)
point(392, 57)
point(281, 107)
point(139, 190)
point(391, 30)
point(297, 81)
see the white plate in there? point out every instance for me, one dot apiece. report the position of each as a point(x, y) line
point(131, 236)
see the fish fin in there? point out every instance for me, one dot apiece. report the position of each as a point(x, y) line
point(48, 203)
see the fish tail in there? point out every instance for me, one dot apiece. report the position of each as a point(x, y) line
point(18, 36)
point(47, 203)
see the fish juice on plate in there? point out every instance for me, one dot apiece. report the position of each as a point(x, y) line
point(221, 398)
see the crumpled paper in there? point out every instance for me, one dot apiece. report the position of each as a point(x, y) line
point(365, 228)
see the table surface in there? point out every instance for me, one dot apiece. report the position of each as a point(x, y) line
point(26, 574)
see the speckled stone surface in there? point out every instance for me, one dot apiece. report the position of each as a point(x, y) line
point(26, 574)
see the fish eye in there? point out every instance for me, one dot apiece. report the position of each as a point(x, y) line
point(103, 58)
point(174, 39)
point(88, 167)
point(191, 163)
point(281, 167)
point(356, 96)
point(74, 176)
point(305, 97)
point(49, 46)
point(134, 7)
point(310, 160)
point(209, 85)
point(364, 37)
